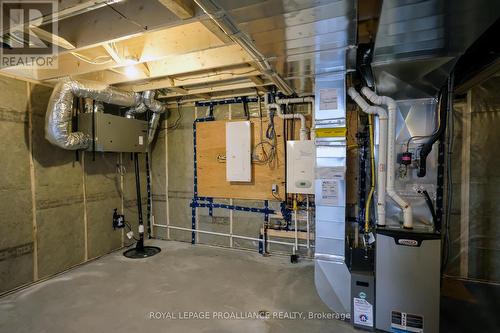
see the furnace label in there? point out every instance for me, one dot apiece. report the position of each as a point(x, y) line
point(363, 312)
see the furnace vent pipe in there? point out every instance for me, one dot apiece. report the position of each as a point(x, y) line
point(382, 151)
point(391, 155)
point(60, 109)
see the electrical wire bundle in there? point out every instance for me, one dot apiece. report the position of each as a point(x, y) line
point(266, 156)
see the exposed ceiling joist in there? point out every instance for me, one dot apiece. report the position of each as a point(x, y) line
point(203, 96)
point(52, 38)
point(119, 21)
point(178, 90)
point(214, 89)
point(175, 65)
point(172, 101)
point(184, 9)
point(146, 48)
point(113, 53)
point(257, 80)
point(205, 77)
point(216, 30)
point(66, 9)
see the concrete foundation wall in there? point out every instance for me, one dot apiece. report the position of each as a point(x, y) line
point(55, 209)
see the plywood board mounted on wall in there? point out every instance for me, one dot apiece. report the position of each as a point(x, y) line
point(211, 143)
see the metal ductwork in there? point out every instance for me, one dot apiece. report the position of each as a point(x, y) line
point(419, 42)
point(225, 22)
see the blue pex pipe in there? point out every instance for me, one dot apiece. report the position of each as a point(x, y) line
point(208, 202)
point(195, 177)
point(266, 211)
point(236, 100)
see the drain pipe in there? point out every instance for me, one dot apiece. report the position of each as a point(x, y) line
point(230, 28)
point(382, 151)
point(391, 156)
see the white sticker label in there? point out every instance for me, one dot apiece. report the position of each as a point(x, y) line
point(141, 140)
point(329, 192)
point(328, 99)
point(371, 238)
point(363, 312)
point(406, 322)
point(141, 228)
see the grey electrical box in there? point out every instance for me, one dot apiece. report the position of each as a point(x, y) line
point(407, 269)
point(115, 133)
point(363, 300)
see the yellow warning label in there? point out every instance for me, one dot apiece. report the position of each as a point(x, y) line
point(332, 132)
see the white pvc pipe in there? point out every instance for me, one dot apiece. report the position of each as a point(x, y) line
point(304, 131)
point(382, 151)
point(391, 155)
point(198, 231)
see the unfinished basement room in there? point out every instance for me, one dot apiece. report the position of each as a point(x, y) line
point(260, 166)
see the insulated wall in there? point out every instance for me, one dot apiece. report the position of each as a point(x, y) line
point(55, 209)
point(474, 250)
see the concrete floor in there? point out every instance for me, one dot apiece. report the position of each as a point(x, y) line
point(115, 294)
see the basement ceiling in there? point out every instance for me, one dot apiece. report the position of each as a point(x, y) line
point(174, 45)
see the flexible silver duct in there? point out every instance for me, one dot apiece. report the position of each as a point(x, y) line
point(98, 106)
point(60, 108)
point(157, 107)
point(141, 108)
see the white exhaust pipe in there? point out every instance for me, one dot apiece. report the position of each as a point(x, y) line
point(391, 156)
point(304, 131)
point(382, 151)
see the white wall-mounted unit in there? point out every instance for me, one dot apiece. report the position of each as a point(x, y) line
point(300, 159)
point(238, 151)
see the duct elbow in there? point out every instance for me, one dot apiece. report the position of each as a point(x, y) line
point(58, 119)
point(153, 104)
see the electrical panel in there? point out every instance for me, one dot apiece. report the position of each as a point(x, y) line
point(238, 151)
point(114, 133)
point(300, 162)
